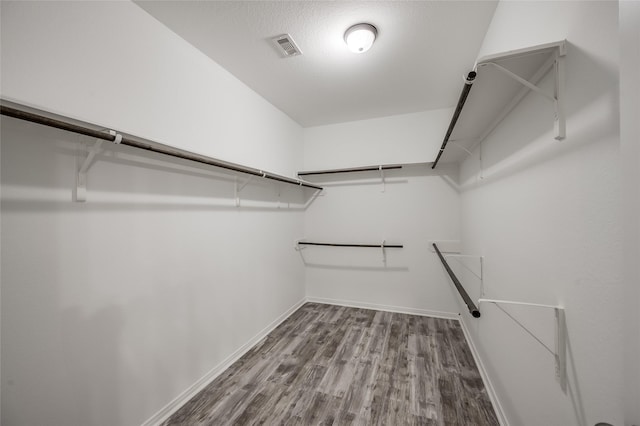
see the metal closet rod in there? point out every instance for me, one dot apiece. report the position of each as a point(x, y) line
point(473, 309)
point(310, 243)
point(155, 147)
point(350, 170)
point(463, 98)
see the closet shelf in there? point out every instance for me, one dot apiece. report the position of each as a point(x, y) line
point(21, 112)
point(494, 87)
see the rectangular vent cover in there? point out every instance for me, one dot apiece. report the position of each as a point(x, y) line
point(286, 46)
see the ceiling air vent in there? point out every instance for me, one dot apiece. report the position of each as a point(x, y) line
point(286, 46)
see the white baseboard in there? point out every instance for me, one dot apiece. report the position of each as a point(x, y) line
point(386, 308)
point(497, 407)
point(192, 390)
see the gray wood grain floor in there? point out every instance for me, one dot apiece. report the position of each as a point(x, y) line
point(330, 364)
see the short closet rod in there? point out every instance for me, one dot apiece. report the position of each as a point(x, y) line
point(309, 243)
point(350, 170)
point(463, 98)
point(155, 147)
point(473, 309)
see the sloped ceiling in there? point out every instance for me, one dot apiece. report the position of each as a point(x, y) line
point(417, 62)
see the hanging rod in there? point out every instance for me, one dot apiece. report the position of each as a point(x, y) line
point(310, 243)
point(473, 309)
point(152, 146)
point(463, 98)
point(351, 170)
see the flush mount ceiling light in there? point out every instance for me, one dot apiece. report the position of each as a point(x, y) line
point(360, 37)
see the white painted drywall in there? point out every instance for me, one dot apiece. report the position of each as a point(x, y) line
point(112, 308)
point(546, 216)
point(630, 152)
point(112, 64)
point(407, 138)
point(417, 205)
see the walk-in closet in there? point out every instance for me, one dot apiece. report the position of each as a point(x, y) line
point(311, 212)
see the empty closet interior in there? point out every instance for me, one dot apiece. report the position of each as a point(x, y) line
point(183, 202)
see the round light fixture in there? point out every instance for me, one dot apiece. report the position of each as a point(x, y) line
point(360, 37)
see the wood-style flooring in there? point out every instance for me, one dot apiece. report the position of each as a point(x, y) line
point(331, 364)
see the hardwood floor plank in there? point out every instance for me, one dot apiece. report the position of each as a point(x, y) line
point(336, 365)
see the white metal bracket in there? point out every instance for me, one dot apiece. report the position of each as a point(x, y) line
point(384, 184)
point(558, 104)
point(556, 98)
point(561, 348)
point(279, 196)
point(81, 177)
point(560, 352)
point(384, 253)
point(316, 194)
point(457, 145)
point(238, 188)
point(535, 78)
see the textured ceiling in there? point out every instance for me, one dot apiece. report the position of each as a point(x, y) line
point(417, 63)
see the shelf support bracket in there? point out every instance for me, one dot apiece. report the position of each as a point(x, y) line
point(81, 177)
point(384, 184)
point(561, 349)
point(560, 352)
point(239, 188)
point(315, 195)
point(457, 145)
point(384, 253)
point(522, 81)
point(560, 120)
point(557, 98)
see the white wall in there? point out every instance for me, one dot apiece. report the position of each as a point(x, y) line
point(417, 205)
point(406, 138)
point(546, 216)
point(630, 152)
point(112, 64)
point(112, 308)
